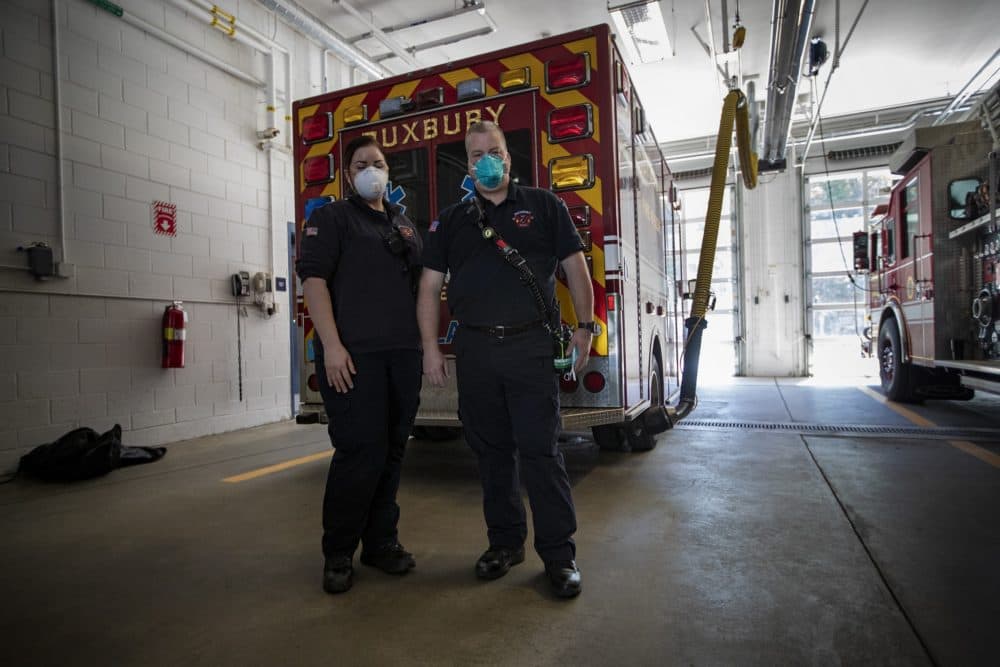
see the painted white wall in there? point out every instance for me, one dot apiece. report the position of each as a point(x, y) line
point(142, 121)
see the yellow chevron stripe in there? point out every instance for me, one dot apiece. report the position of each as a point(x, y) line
point(600, 344)
point(306, 112)
point(585, 44)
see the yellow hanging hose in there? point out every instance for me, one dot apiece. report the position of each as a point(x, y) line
point(734, 108)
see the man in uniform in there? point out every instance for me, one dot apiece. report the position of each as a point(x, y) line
point(507, 387)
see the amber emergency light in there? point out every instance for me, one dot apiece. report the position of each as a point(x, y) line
point(572, 172)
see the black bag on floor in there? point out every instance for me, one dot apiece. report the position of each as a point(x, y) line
point(84, 453)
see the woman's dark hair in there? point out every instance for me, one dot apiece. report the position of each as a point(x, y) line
point(357, 143)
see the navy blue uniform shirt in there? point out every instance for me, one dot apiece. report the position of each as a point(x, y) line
point(373, 301)
point(483, 289)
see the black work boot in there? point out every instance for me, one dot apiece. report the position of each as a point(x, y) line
point(390, 558)
point(497, 561)
point(564, 577)
point(338, 574)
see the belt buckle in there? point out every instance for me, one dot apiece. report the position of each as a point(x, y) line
point(500, 331)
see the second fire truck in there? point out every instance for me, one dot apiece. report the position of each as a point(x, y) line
point(933, 263)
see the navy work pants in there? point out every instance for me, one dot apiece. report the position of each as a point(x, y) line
point(509, 406)
point(369, 427)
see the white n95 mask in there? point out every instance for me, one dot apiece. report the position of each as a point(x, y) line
point(370, 183)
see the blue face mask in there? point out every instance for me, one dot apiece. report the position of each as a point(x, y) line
point(489, 171)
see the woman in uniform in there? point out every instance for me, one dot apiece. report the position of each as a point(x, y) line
point(358, 263)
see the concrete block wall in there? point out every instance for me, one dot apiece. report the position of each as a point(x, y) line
point(142, 121)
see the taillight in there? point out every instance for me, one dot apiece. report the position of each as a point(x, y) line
point(572, 172)
point(580, 215)
point(594, 382)
point(318, 127)
point(318, 169)
point(612, 302)
point(568, 123)
point(568, 73)
point(568, 384)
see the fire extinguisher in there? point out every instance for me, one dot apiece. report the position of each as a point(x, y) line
point(174, 334)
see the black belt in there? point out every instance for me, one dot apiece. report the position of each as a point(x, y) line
point(503, 330)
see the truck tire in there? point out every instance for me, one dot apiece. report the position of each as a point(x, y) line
point(610, 437)
point(896, 376)
point(640, 437)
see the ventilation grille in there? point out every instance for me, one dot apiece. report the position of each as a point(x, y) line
point(990, 434)
point(864, 152)
point(693, 173)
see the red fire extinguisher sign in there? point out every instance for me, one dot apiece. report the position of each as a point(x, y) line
point(174, 335)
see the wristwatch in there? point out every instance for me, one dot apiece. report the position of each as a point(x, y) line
point(589, 326)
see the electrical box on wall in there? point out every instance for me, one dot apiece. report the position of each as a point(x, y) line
point(40, 262)
point(261, 283)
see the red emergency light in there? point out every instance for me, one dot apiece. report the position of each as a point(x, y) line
point(594, 382)
point(568, 123)
point(567, 73)
point(318, 169)
point(318, 127)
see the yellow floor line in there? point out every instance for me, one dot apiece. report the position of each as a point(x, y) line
point(967, 447)
point(898, 409)
point(978, 452)
point(277, 467)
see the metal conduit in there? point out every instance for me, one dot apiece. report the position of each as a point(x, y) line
point(309, 26)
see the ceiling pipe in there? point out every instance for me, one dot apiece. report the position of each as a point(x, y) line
point(901, 126)
point(391, 44)
point(472, 6)
point(311, 27)
point(444, 41)
point(790, 25)
point(966, 90)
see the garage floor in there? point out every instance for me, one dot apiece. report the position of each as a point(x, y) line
point(754, 534)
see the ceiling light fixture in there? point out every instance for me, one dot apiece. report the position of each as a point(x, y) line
point(642, 30)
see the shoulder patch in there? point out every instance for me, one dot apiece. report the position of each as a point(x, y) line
point(434, 226)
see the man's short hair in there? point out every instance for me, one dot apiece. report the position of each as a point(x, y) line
point(482, 127)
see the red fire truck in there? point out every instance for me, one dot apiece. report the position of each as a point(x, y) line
point(574, 124)
point(933, 264)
